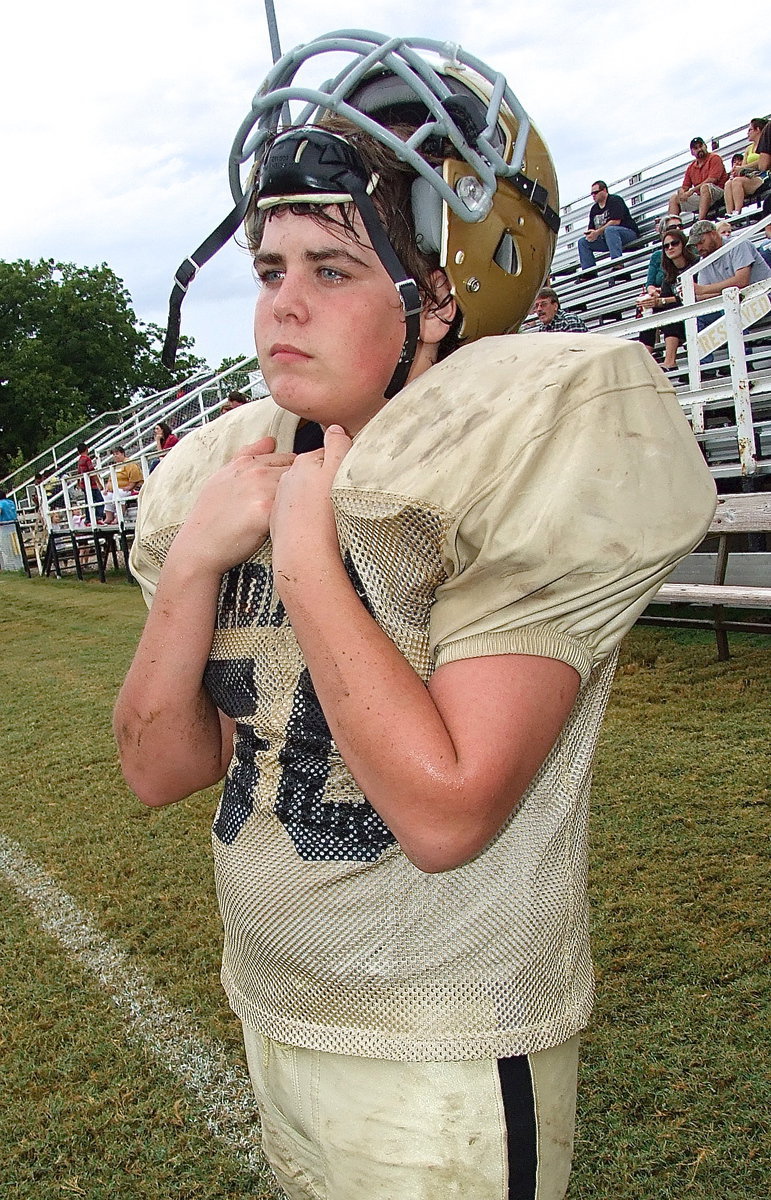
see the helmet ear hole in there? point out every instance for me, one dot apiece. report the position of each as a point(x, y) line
point(507, 255)
point(427, 216)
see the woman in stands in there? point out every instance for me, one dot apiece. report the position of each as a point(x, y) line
point(746, 179)
point(164, 438)
point(677, 257)
point(655, 278)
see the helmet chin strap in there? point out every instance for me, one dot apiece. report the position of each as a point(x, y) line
point(407, 288)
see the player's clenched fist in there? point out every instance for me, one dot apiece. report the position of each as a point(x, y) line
point(231, 517)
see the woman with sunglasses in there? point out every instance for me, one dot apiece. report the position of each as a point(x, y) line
point(677, 256)
point(655, 277)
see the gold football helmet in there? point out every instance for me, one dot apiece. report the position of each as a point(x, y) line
point(485, 197)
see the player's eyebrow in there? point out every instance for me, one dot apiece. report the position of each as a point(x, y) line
point(270, 258)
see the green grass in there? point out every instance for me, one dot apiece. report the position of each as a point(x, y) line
point(673, 1099)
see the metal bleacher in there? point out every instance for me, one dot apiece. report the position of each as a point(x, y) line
point(728, 399)
point(59, 520)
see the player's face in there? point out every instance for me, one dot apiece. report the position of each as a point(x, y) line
point(328, 323)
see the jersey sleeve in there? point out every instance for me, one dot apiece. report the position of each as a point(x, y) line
point(567, 540)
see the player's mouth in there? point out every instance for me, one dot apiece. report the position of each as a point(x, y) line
point(283, 352)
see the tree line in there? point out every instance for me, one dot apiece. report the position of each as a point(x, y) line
point(71, 346)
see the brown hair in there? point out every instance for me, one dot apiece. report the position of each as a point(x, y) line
point(671, 272)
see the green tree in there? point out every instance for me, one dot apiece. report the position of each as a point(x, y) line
point(154, 376)
point(239, 380)
point(70, 347)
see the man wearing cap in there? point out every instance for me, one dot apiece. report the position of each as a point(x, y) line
point(551, 318)
point(740, 266)
point(702, 183)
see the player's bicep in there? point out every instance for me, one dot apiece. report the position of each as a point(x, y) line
point(503, 713)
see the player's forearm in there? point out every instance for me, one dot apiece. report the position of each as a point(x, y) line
point(167, 728)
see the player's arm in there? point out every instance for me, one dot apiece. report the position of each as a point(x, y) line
point(168, 730)
point(172, 739)
point(443, 765)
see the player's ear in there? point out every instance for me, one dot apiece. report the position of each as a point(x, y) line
point(438, 311)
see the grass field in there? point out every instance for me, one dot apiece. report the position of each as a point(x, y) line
point(122, 1067)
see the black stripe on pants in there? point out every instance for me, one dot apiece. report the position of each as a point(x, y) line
point(521, 1129)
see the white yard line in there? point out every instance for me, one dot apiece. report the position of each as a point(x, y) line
point(222, 1092)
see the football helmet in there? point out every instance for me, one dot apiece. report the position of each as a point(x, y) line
point(485, 195)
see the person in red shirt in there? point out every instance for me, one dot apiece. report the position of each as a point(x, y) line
point(702, 183)
point(164, 438)
point(85, 467)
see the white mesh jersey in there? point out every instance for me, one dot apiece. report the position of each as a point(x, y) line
point(527, 495)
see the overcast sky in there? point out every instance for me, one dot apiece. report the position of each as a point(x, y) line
point(117, 120)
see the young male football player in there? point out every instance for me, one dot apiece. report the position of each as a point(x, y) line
point(386, 607)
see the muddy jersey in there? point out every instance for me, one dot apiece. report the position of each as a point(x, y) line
point(526, 496)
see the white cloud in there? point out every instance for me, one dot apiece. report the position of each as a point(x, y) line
point(116, 122)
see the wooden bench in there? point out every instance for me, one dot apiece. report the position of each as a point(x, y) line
point(723, 580)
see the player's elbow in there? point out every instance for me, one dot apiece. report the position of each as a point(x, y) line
point(144, 768)
point(435, 856)
point(151, 787)
point(455, 840)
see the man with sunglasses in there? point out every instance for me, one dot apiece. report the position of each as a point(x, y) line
point(611, 226)
point(703, 182)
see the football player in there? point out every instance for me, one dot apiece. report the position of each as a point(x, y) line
point(386, 606)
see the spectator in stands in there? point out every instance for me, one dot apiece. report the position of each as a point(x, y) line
point(655, 277)
point(746, 178)
point(611, 226)
point(128, 479)
point(738, 267)
point(164, 440)
point(234, 400)
point(702, 183)
point(551, 318)
point(87, 469)
point(763, 149)
point(678, 256)
point(164, 437)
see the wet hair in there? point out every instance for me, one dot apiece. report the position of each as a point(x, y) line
point(392, 198)
point(671, 272)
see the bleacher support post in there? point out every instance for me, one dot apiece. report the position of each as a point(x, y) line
point(740, 382)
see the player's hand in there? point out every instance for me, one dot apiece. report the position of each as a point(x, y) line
point(231, 517)
point(302, 520)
